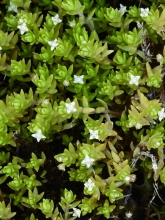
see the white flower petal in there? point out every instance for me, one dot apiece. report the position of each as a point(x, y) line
point(144, 12)
point(23, 28)
point(88, 161)
point(56, 20)
point(70, 107)
point(12, 7)
point(77, 212)
point(134, 80)
point(138, 126)
point(93, 134)
point(89, 184)
point(161, 114)
point(78, 79)
point(128, 214)
point(53, 44)
point(46, 101)
point(61, 167)
point(122, 9)
point(72, 23)
point(127, 178)
point(38, 135)
point(66, 83)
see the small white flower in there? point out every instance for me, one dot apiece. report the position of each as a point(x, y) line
point(144, 12)
point(23, 28)
point(66, 83)
point(53, 44)
point(122, 9)
point(70, 107)
point(134, 80)
point(61, 167)
point(78, 79)
point(46, 101)
point(12, 7)
point(138, 126)
point(89, 184)
point(72, 23)
point(77, 212)
point(38, 135)
point(161, 114)
point(0, 48)
point(128, 214)
point(88, 161)
point(127, 178)
point(56, 20)
point(93, 134)
point(132, 178)
point(159, 58)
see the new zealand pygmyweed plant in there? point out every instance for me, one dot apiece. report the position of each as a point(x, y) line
point(82, 109)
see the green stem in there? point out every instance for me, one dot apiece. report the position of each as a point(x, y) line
point(157, 212)
point(66, 213)
point(118, 114)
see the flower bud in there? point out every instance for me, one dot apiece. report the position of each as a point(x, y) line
point(49, 22)
point(19, 67)
point(69, 196)
point(113, 15)
point(61, 167)
point(88, 204)
point(129, 38)
point(12, 22)
point(154, 81)
point(155, 141)
point(45, 55)
point(29, 37)
point(72, 174)
point(100, 14)
point(134, 11)
point(123, 176)
point(47, 207)
point(16, 184)
point(81, 175)
point(45, 112)
point(17, 104)
point(119, 58)
point(42, 71)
